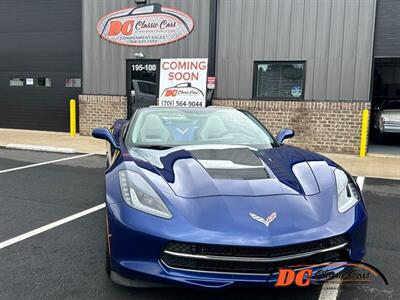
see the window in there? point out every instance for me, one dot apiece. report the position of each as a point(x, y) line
point(391, 104)
point(44, 82)
point(386, 78)
point(73, 82)
point(279, 80)
point(17, 81)
point(147, 87)
point(171, 127)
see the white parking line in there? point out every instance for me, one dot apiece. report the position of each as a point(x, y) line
point(360, 182)
point(45, 163)
point(50, 226)
point(330, 290)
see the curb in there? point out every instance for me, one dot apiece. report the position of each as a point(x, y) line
point(41, 148)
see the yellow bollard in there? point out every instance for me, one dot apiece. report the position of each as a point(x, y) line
point(364, 132)
point(72, 117)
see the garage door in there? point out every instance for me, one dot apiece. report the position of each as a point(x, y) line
point(41, 62)
point(387, 28)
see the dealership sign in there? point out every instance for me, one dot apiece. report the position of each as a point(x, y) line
point(148, 25)
point(183, 82)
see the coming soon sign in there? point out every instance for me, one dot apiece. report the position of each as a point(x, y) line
point(183, 82)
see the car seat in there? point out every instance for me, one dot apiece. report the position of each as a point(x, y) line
point(153, 131)
point(213, 128)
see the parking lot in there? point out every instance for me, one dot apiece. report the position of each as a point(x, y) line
point(67, 261)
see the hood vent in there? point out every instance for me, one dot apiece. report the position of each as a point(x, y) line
point(238, 174)
point(233, 163)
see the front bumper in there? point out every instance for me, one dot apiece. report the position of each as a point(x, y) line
point(158, 275)
point(390, 127)
point(136, 252)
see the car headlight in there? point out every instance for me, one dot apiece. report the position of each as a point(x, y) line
point(347, 193)
point(138, 194)
point(381, 123)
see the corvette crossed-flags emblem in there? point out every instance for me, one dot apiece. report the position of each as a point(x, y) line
point(266, 221)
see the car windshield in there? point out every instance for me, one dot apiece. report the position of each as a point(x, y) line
point(160, 128)
point(391, 104)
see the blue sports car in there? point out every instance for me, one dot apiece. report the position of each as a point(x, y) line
point(207, 197)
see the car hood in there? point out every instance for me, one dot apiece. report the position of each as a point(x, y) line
point(237, 217)
point(224, 170)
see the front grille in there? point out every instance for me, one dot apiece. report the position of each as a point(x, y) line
point(392, 124)
point(247, 267)
point(206, 249)
point(262, 260)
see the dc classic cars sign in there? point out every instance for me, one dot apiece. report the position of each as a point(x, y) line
point(148, 25)
point(183, 82)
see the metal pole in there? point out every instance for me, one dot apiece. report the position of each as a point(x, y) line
point(72, 117)
point(364, 133)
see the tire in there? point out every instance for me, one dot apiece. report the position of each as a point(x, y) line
point(107, 257)
point(107, 164)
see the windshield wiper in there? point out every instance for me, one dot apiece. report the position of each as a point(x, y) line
point(153, 147)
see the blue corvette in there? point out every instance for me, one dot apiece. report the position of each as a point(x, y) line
point(206, 197)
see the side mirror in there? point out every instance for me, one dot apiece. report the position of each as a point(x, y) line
point(105, 134)
point(377, 108)
point(284, 134)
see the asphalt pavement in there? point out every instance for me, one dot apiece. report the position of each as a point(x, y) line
point(67, 262)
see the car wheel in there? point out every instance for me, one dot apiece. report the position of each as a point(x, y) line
point(107, 164)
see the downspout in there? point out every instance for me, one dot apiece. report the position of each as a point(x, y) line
point(212, 45)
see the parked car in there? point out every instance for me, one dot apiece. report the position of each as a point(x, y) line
point(387, 120)
point(207, 197)
point(144, 93)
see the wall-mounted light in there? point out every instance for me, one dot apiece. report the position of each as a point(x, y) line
point(139, 55)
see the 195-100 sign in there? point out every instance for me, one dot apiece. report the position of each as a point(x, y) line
point(148, 25)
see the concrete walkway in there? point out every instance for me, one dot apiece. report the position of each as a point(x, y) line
point(374, 165)
point(50, 141)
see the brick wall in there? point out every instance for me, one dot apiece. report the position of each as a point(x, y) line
point(100, 111)
point(326, 126)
